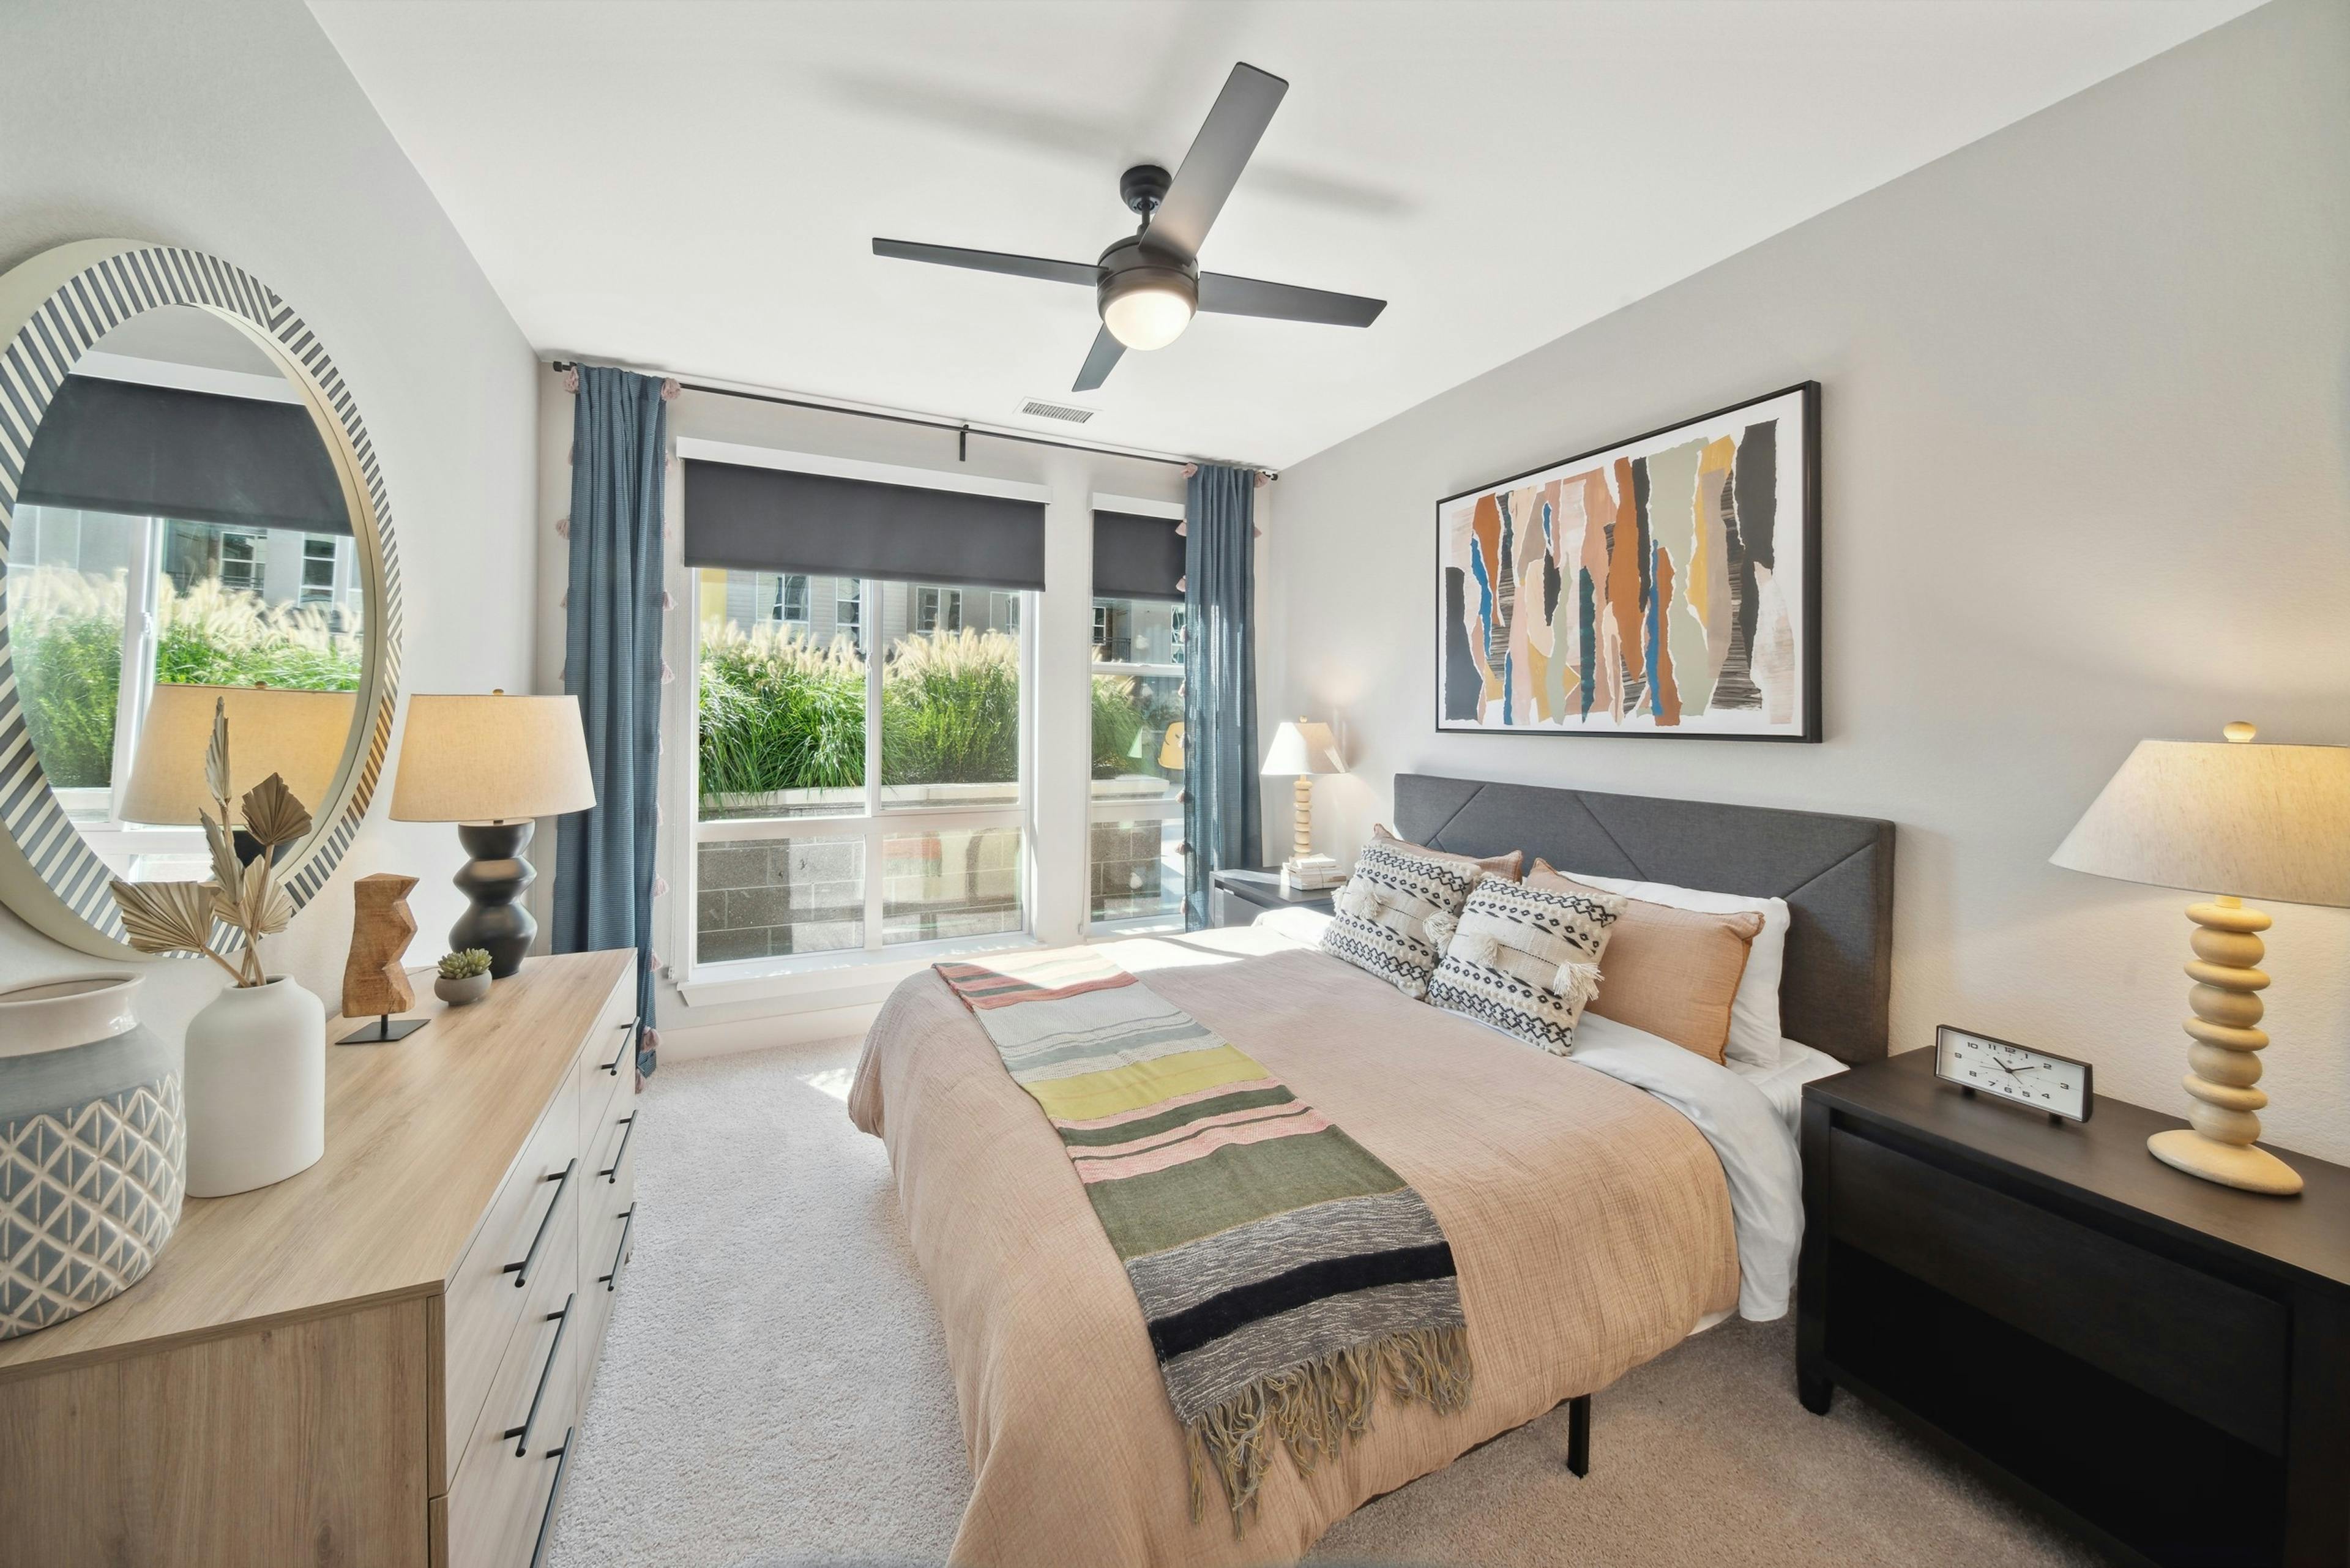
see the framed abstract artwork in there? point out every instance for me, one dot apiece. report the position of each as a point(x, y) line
point(1667, 585)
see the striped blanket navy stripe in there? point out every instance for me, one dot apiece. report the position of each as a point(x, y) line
point(1284, 1273)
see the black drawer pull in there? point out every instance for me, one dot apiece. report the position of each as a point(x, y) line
point(562, 1457)
point(613, 1066)
point(562, 1321)
point(627, 1131)
point(521, 1271)
point(628, 1218)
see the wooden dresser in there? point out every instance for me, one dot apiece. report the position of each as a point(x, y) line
point(380, 1361)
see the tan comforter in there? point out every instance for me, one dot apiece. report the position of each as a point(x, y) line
point(1590, 1224)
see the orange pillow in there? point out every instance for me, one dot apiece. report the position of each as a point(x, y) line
point(1505, 867)
point(1673, 972)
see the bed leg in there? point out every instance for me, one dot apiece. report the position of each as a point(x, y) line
point(1579, 1435)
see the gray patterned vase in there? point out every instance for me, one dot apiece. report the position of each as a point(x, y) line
point(93, 1148)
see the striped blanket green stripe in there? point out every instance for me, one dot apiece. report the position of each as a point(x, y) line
point(1284, 1272)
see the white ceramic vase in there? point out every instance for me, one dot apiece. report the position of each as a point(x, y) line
point(256, 1087)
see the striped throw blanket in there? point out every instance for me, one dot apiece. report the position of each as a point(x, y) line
point(1284, 1272)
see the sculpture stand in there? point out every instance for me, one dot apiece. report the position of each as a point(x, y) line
point(373, 981)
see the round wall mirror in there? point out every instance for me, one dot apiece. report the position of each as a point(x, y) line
point(191, 519)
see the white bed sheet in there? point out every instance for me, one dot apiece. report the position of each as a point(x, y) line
point(1783, 1084)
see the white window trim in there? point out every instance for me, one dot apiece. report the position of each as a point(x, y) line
point(744, 979)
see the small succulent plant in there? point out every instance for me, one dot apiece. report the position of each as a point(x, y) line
point(464, 965)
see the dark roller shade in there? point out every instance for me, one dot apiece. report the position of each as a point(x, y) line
point(773, 520)
point(160, 452)
point(1136, 557)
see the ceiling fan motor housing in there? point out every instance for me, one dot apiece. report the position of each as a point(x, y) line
point(1134, 267)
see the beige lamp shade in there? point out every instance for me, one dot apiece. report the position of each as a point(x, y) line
point(491, 759)
point(2227, 817)
point(1303, 747)
point(297, 735)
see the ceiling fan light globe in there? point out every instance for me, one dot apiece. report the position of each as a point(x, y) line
point(1147, 315)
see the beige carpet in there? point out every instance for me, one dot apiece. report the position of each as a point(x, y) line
point(774, 1391)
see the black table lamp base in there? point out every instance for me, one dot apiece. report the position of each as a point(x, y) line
point(495, 877)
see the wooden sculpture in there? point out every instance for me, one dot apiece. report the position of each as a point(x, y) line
point(373, 981)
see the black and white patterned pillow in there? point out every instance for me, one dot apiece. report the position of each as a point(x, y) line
point(1526, 960)
point(1396, 911)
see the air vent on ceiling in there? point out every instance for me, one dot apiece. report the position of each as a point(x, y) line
point(1045, 410)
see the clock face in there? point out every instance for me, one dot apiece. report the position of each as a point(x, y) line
point(2056, 1085)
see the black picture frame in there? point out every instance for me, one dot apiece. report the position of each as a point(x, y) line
point(1814, 730)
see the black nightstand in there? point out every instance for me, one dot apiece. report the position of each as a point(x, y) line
point(1249, 894)
point(2162, 1362)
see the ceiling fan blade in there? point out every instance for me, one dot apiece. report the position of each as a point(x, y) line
point(1228, 296)
point(1098, 362)
point(1082, 272)
point(1218, 155)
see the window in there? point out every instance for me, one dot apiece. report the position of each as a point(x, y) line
point(783, 597)
point(242, 557)
point(317, 569)
point(1136, 880)
point(849, 611)
point(938, 609)
point(103, 607)
point(852, 804)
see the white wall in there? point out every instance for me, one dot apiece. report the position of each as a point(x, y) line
point(233, 128)
point(2085, 482)
point(840, 1001)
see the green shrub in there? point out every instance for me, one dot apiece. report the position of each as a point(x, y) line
point(951, 708)
point(778, 713)
point(1117, 721)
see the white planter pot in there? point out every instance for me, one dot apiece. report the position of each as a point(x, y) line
point(256, 1073)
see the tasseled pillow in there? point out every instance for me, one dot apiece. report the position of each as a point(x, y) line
point(1396, 912)
point(1526, 960)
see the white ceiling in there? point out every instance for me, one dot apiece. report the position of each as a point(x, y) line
point(695, 186)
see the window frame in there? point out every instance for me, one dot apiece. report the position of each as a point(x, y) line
point(872, 826)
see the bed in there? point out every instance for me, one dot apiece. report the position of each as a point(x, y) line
point(1596, 1217)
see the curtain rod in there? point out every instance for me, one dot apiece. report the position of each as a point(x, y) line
point(963, 432)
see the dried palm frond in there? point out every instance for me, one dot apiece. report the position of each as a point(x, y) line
point(273, 815)
point(263, 907)
point(165, 917)
point(216, 755)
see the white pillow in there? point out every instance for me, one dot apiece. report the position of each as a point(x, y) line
point(1754, 1011)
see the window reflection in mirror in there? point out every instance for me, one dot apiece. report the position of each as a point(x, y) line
point(182, 524)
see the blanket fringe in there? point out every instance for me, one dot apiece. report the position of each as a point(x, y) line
point(1316, 1408)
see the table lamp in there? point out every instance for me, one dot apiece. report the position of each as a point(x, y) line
point(1304, 748)
point(2238, 821)
point(297, 735)
point(493, 765)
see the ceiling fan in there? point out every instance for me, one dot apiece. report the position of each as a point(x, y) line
point(1147, 285)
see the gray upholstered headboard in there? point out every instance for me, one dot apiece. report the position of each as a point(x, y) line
point(1836, 873)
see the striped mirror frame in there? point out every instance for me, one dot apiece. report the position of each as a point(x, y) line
point(53, 309)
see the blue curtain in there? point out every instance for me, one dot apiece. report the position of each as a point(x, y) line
point(1222, 797)
point(612, 663)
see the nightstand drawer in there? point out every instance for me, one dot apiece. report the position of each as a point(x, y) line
point(2195, 1341)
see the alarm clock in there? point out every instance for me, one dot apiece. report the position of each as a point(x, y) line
point(1980, 1064)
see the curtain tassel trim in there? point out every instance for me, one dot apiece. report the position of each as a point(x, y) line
point(563, 527)
point(571, 381)
point(1316, 1408)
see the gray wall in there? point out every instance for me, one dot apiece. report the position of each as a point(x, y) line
point(236, 129)
point(2085, 421)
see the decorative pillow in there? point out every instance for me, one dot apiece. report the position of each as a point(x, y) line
point(1526, 960)
point(1505, 867)
point(1754, 1017)
point(1396, 911)
point(1673, 972)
